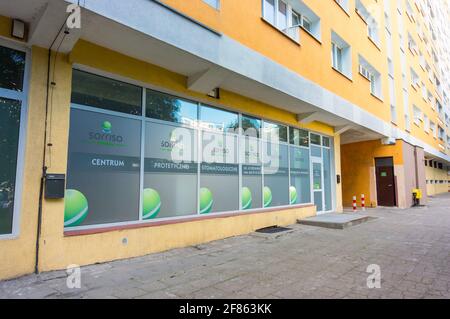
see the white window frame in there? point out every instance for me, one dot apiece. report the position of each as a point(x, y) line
point(23, 97)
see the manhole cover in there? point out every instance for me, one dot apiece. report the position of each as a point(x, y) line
point(272, 230)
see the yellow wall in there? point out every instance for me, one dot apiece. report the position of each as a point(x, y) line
point(436, 174)
point(358, 169)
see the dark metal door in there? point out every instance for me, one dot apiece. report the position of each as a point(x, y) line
point(385, 181)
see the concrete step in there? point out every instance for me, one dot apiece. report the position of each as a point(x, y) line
point(335, 220)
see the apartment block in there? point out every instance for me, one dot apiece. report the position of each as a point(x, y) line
point(138, 126)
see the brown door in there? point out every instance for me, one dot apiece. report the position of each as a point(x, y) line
point(385, 181)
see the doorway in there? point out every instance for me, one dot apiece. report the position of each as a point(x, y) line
point(384, 170)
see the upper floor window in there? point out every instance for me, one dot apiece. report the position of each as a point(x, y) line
point(213, 3)
point(343, 4)
point(371, 74)
point(341, 55)
point(290, 16)
point(372, 25)
point(280, 14)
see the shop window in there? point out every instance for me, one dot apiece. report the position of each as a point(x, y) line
point(219, 173)
point(171, 170)
point(315, 139)
point(103, 169)
point(12, 69)
point(196, 160)
point(251, 192)
point(251, 126)
point(298, 137)
point(97, 91)
point(300, 189)
point(274, 132)
point(169, 108)
point(9, 142)
point(276, 174)
point(218, 120)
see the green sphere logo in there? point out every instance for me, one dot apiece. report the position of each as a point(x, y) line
point(75, 208)
point(206, 200)
point(267, 196)
point(106, 127)
point(246, 198)
point(151, 203)
point(293, 195)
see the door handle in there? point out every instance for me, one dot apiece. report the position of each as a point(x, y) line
point(390, 185)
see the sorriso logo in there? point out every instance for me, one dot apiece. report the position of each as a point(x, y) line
point(106, 127)
point(105, 137)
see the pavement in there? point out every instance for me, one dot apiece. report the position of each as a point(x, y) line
point(410, 249)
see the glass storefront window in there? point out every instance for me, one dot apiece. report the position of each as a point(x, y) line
point(171, 170)
point(97, 91)
point(169, 108)
point(251, 126)
point(298, 137)
point(215, 119)
point(251, 191)
point(12, 69)
point(219, 173)
point(315, 139)
point(206, 165)
point(9, 143)
point(276, 175)
point(103, 169)
point(327, 178)
point(300, 190)
point(274, 132)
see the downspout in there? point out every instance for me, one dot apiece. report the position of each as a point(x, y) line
point(44, 166)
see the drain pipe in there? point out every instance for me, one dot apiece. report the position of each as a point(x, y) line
point(44, 166)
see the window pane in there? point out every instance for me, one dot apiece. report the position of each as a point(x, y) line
point(12, 66)
point(9, 142)
point(306, 24)
point(166, 107)
point(326, 141)
point(251, 173)
point(103, 169)
point(282, 15)
point(274, 132)
point(318, 201)
point(276, 175)
point(251, 126)
point(219, 173)
point(316, 151)
point(218, 120)
point(170, 180)
point(300, 190)
point(298, 137)
point(317, 176)
point(269, 10)
point(315, 139)
point(295, 19)
point(97, 91)
point(327, 178)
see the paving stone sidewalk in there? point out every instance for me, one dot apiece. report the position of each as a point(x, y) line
point(412, 248)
